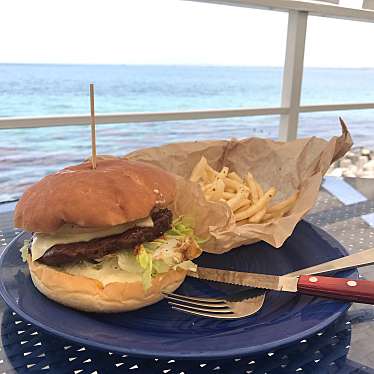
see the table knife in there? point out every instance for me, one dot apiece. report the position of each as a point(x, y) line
point(351, 290)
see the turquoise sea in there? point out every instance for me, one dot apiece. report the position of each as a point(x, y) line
point(36, 90)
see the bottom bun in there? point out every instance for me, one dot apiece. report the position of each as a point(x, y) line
point(90, 295)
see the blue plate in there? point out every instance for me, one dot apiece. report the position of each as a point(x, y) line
point(158, 331)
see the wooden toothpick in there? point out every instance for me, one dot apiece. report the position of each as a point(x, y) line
point(93, 126)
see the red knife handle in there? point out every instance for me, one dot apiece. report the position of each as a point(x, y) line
point(355, 290)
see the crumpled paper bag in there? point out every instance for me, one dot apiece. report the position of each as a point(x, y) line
point(289, 166)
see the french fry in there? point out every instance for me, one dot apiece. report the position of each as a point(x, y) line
point(268, 220)
point(259, 205)
point(256, 218)
point(250, 175)
point(267, 216)
point(243, 204)
point(273, 216)
point(235, 202)
point(245, 197)
point(281, 213)
point(223, 173)
point(216, 190)
point(205, 178)
point(198, 170)
point(206, 187)
point(228, 195)
point(232, 184)
point(235, 177)
point(252, 186)
point(243, 208)
point(260, 191)
point(288, 203)
point(211, 173)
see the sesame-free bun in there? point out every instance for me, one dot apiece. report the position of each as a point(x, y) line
point(117, 191)
point(90, 295)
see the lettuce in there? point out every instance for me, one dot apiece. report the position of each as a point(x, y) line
point(159, 256)
point(152, 246)
point(128, 262)
point(145, 260)
point(159, 266)
point(182, 228)
point(151, 258)
point(25, 250)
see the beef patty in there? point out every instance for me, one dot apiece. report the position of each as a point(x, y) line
point(61, 254)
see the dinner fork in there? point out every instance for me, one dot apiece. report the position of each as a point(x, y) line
point(215, 308)
point(225, 309)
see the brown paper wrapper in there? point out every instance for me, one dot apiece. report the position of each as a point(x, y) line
point(289, 166)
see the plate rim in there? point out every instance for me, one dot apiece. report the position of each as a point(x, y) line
point(230, 353)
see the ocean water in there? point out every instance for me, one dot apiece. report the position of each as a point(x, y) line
point(26, 155)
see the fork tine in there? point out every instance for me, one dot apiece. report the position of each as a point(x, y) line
point(202, 299)
point(192, 302)
point(214, 310)
point(210, 315)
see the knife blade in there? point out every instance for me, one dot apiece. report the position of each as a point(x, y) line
point(355, 260)
point(271, 282)
point(356, 290)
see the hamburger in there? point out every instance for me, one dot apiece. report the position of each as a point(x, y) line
point(105, 239)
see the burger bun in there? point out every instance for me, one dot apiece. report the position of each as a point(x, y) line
point(118, 191)
point(89, 295)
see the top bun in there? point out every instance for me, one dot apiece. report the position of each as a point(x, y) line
point(116, 192)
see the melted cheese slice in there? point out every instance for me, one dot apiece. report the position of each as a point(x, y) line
point(106, 274)
point(124, 267)
point(42, 242)
point(110, 274)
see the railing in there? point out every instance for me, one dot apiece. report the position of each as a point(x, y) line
point(298, 12)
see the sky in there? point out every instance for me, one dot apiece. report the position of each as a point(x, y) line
point(170, 32)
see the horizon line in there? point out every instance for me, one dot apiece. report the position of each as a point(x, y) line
point(179, 65)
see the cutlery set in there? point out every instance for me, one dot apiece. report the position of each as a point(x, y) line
point(304, 281)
